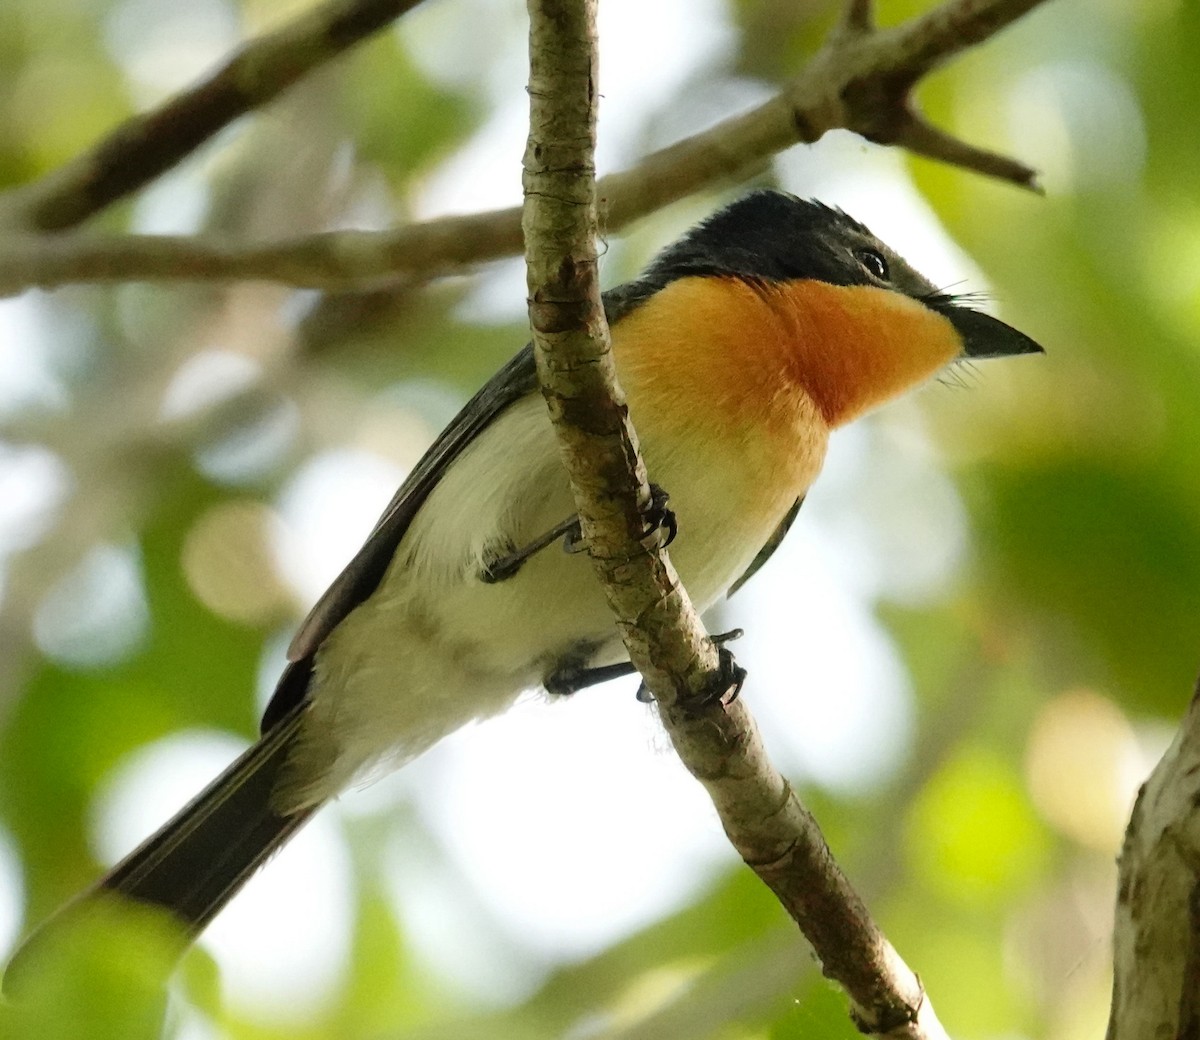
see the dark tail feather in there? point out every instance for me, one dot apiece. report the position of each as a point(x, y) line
point(199, 860)
point(196, 863)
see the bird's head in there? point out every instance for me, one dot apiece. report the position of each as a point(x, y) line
point(866, 325)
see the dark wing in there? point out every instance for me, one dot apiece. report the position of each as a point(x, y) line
point(767, 550)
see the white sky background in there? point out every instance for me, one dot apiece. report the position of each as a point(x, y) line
point(569, 825)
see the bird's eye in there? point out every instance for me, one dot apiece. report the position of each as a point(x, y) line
point(874, 263)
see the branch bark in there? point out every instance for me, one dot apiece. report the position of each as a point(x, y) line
point(152, 142)
point(861, 79)
point(575, 368)
point(782, 843)
point(718, 742)
point(1156, 937)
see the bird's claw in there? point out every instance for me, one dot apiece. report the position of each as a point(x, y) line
point(661, 524)
point(659, 531)
point(573, 540)
point(730, 677)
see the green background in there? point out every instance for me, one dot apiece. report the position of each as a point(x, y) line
point(1046, 667)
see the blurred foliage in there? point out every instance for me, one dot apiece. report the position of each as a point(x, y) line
point(1078, 476)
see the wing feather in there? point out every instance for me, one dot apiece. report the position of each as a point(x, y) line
point(364, 572)
point(768, 550)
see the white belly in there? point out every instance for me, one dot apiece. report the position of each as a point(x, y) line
point(434, 647)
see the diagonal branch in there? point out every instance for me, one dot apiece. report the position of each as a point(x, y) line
point(860, 80)
point(929, 41)
point(717, 741)
point(575, 366)
point(150, 143)
point(782, 843)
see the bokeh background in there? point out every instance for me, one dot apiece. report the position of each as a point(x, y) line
point(968, 654)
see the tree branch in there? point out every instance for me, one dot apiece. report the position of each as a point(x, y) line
point(148, 144)
point(1156, 938)
point(782, 843)
point(599, 447)
point(858, 17)
point(859, 80)
point(718, 742)
point(922, 138)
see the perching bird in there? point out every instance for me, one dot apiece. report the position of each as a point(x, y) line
point(740, 348)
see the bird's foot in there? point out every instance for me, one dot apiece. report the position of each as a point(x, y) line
point(572, 679)
point(661, 524)
point(502, 567)
point(731, 674)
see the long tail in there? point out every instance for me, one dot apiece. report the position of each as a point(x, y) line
point(199, 860)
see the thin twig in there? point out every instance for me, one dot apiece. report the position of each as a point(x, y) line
point(858, 17)
point(860, 82)
point(150, 143)
point(932, 39)
point(922, 138)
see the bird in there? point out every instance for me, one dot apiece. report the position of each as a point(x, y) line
point(740, 348)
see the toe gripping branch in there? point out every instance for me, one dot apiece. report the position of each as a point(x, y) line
point(661, 524)
point(727, 684)
point(659, 531)
point(725, 689)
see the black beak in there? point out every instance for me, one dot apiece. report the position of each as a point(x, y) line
point(984, 336)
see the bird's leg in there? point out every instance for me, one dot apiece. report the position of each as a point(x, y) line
point(658, 519)
point(501, 568)
point(573, 678)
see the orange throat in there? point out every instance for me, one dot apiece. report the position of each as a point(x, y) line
point(857, 346)
point(757, 374)
point(745, 350)
point(705, 361)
